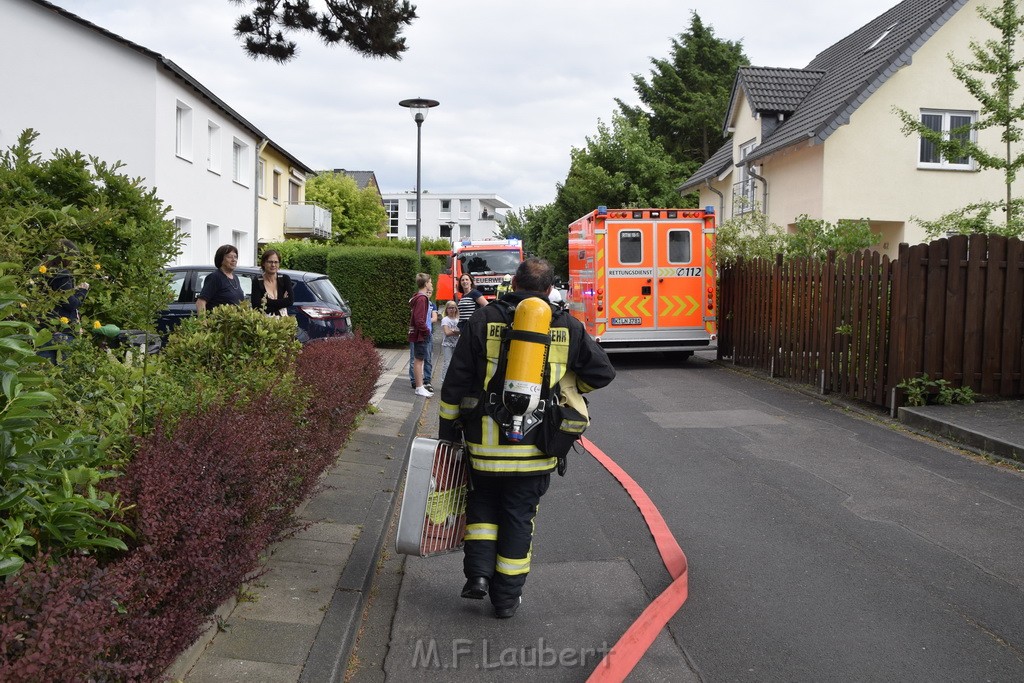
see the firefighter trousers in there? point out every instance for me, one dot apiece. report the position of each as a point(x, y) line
point(500, 514)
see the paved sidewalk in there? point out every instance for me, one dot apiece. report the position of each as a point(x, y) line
point(991, 427)
point(298, 621)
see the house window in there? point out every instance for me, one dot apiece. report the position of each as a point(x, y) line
point(183, 131)
point(213, 147)
point(953, 125)
point(184, 228)
point(275, 187)
point(212, 233)
point(464, 232)
point(261, 178)
point(410, 231)
point(679, 246)
point(744, 193)
point(293, 192)
point(410, 207)
point(446, 207)
point(240, 162)
point(446, 231)
point(631, 246)
point(464, 208)
point(391, 207)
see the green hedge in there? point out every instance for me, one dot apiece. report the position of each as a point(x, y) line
point(376, 281)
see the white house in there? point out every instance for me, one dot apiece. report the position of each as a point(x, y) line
point(84, 88)
point(455, 216)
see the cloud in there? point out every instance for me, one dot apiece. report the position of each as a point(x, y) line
point(520, 82)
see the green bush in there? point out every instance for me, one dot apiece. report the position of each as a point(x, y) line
point(110, 394)
point(376, 279)
point(119, 226)
point(377, 283)
point(48, 472)
point(752, 235)
point(233, 353)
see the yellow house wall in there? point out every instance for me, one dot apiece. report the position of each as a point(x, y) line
point(794, 184)
point(870, 166)
point(271, 213)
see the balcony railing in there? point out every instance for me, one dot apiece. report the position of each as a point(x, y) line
point(306, 219)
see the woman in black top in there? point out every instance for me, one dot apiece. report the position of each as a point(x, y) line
point(273, 292)
point(470, 299)
point(222, 285)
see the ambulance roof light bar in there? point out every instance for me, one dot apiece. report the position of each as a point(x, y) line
point(491, 242)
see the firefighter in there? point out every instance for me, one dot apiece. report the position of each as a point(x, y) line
point(508, 475)
point(505, 287)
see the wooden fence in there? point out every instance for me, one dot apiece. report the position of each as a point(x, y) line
point(858, 326)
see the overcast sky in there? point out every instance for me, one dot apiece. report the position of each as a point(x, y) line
point(520, 82)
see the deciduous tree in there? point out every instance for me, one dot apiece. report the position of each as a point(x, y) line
point(354, 213)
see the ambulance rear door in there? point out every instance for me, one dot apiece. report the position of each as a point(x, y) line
point(630, 277)
point(680, 269)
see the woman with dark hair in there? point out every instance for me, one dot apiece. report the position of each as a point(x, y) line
point(274, 291)
point(222, 285)
point(469, 298)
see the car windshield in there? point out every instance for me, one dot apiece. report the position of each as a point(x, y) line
point(484, 262)
point(325, 291)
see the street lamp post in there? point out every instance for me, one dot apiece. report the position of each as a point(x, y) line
point(418, 107)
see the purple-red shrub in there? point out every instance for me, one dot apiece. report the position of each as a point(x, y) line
point(61, 622)
point(342, 375)
point(208, 499)
point(209, 496)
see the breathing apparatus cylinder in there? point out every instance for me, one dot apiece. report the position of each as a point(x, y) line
point(527, 354)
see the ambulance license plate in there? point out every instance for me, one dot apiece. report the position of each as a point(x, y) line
point(627, 321)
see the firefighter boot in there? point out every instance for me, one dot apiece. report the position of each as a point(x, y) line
point(508, 611)
point(475, 588)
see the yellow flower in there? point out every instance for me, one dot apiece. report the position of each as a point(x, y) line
point(64, 320)
point(97, 266)
point(24, 305)
point(96, 324)
point(42, 269)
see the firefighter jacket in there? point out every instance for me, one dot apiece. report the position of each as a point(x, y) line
point(464, 396)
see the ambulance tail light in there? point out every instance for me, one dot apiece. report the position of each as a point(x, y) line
point(600, 299)
point(711, 298)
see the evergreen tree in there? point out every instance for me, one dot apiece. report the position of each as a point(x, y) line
point(370, 27)
point(992, 79)
point(685, 100)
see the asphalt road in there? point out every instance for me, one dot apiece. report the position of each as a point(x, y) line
point(821, 547)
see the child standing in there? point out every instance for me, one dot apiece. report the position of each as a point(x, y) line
point(450, 328)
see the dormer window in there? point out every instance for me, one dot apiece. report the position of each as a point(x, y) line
point(880, 38)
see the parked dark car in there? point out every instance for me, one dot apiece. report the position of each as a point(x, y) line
point(319, 309)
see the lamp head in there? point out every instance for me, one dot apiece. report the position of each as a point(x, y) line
point(418, 107)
